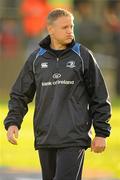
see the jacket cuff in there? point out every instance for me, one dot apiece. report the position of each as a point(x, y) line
point(104, 135)
point(11, 124)
point(101, 135)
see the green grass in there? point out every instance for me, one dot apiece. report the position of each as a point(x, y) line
point(109, 160)
point(24, 156)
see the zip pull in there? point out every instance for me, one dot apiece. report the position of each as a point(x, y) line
point(57, 59)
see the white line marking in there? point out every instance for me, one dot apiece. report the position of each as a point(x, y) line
point(28, 178)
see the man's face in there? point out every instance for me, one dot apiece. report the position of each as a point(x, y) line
point(61, 30)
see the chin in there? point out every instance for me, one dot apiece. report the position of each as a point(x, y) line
point(68, 41)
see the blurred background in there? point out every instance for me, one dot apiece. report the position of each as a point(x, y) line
point(22, 26)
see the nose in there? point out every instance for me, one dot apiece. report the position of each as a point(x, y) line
point(69, 30)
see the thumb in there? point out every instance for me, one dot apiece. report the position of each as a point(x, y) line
point(92, 145)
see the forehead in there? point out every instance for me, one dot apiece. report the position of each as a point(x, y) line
point(63, 20)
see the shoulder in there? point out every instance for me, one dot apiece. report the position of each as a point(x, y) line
point(85, 52)
point(30, 60)
point(32, 56)
point(81, 50)
point(87, 56)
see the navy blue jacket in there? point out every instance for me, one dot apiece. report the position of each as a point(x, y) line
point(70, 97)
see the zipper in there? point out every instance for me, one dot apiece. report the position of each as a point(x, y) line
point(57, 65)
point(58, 59)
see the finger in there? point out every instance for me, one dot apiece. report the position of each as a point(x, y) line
point(16, 133)
point(92, 149)
point(12, 141)
point(99, 149)
point(11, 138)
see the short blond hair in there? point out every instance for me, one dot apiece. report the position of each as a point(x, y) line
point(56, 13)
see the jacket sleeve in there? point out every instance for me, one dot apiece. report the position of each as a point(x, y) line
point(99, 105)
point(21, 94)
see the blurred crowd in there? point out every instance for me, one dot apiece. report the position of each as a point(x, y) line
point(104, 33)
point(97, 26)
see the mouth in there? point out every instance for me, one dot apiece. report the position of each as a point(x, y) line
point(70, 37)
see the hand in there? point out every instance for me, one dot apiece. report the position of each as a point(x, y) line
point(98, 144)
point(12, 134)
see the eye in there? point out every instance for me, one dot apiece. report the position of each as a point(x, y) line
point(65, 27)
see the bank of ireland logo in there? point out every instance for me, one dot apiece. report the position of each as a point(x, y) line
point(44, 65)
point(71, 64)
point(56, 76)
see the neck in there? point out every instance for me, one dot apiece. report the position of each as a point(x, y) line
point(56, 45)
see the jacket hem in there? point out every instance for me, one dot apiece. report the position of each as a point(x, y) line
point(62, 146)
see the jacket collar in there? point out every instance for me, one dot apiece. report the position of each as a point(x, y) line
point(45, 43)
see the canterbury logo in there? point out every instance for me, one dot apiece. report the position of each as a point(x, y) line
point(44, 65)
point(70, 64)
point(56, 76)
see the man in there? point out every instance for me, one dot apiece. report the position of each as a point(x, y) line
point(70, 97)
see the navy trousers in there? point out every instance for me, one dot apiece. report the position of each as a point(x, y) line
point(61, 163)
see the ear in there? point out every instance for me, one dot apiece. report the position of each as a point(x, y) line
point(50, 29)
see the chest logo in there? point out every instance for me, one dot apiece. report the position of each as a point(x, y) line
point(44, 65)
point(71, 64)
point(56, 76)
